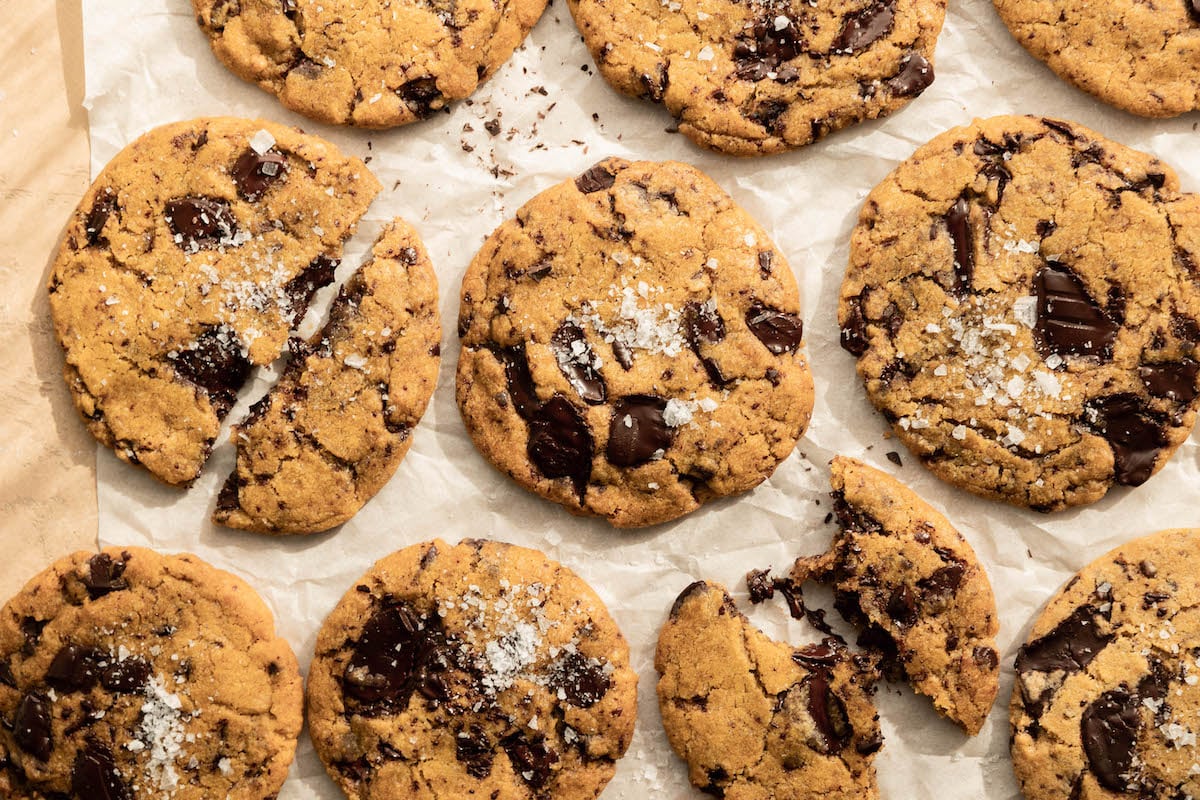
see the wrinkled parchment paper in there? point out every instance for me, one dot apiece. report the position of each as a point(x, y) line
point(148, 64)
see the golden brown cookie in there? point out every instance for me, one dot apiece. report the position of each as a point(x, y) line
point(1022, 302)
point(127, 674)
point(480, 670)
point(334, 429)
point(370, 63)
point(1106, 702)
point(632, 345)
point(188, 261)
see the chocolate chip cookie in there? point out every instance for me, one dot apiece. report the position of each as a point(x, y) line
point(763, 77)
point(1106, 701)
point(632, 346)
point(370, 63)
point(1141, 57)
point(757, 718)
point(1021, 298)
point(188, 261)
point(914, 587)
point(128, 674)
point(482, 670)
point(331, 433)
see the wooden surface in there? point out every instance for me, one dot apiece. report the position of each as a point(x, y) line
point(47, 459)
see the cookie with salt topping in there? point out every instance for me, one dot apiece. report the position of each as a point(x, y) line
point(632, 345)
point(482, 670)
point(1022, 303)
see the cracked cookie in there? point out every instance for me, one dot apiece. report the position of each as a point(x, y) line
point(1021, 297)
point(1138, 56)
point(909, 581)
point(127, 674)
point(368, 63)
point(1106, 700)
point(334, 429)
point(769, 75)
point(188, 261)
point(632, 346)
point(482, 669)
point(757, 718)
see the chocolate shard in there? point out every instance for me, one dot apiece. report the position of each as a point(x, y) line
point(958, 223)
point(398, 653)
point(32, 726)
point(902, 607)
point(864, 28)
point(255, 173)
point(95, 776)
point(828, 714)
point(915, 76)
point(1069, 320)
point(595, 179)
point(1109, 730)
point(532, 759)
point(623, 353)
point(702, 324)
point(1133, 432)
point(580, 680)
point(103, 208)
point(638, 431)
point(578, 363)
point(216, 365)
point(201, 223)
point(1070, 647)
point(779, 331)
point(104, 575)
point(473, 747)
point(560, 443)
point(1174, 380)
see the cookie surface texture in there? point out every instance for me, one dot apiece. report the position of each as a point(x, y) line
point(900, 570)
point(1140, 57)
point(632, 346)
point(126, 674)
point(368, 63)
point(764, 77)
point(1106, 695)
point(754, 718)
point(334, 429)
point(481, 670)
point(1022, 302)
point(188, 261)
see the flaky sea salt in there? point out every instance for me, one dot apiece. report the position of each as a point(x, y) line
point(1025, 310)
point(262, 141)
point(677, 413)
point(705, 54)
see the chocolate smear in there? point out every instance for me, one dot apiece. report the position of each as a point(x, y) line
point(398, 653)
point(1069, 320)
point(560, 443)
point(865, 27)
point(638, 432)
point(1175, 380)
point(1135, 435)
point(1070, 647)
point(828, 713)
point(216, 365)
point(1109, 729)
point(580, 680)
point(915, 76)
point(94, 775)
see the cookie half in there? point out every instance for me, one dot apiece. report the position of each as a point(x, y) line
point(632, 345)
point(1140, 57)
point(369, 63)
point(128, 674)
point(336, 426)
point(758, 78)
point(482, 670)
point(757, 718)
point(188, 261)
point(908, 579)
point(1107, 692)
point(1022, 302)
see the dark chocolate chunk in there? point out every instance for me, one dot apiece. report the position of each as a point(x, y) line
point(828, 713)
point(126, 677)
point(1194, 8)
point(104, 575)
point(826, 653)
point(758, 582)
point(779, 331)
point(300, 289)
point(31, 726)
point(254, 173)
point(560, 443)
point(519, 380)
point(637, 431)
point(6, 675)
point(595, 179)
point(995, 157)
point(915, 76)
point(422, 96)
point(692, 588)
point(1070, 647)
point(945, 580)
point(95, 776)
point(958, 222)
point(702, 324)
point(201, 222)
point(577, 363)
point(1175, 380)
point(623, 353)
point(396, 655)
point(1135, 435)
point(852, 518)
point(766, 261)
point(474, 748)
point(103, 208)
point(216, 365)
point(1069, 320)
point(986, 657)
point(894, 457)
point(1109, 729)
point(73, 669)
point(854, 330)
point(902, 607)
point(533, 760)
point(762, 48)
point(579, 679)
point(865, 27)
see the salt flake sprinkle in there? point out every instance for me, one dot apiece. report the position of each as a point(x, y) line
point(261, 142)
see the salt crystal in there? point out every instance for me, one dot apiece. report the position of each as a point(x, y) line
point(677, 413)
point(941, 371)
point(705, 54)
point(959, 432)
point(750, 240)
point(1021, 362)
point(1054, 361)
point(781, 22)
point(933, 328)
point(355, 361)
point(1015, 436)
point(262, 141)
point(1047, 383)
point(226, 767)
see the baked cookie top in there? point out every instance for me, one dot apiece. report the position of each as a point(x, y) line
point(1106, 701)
point(369, 63)
point(482, 670)
point(1140, 57)
point(758, 718)
point(127, 674)
point(188, 261)
point(912, 584)
point(1022, 302)
point(768, 75)
point(335, 427)
point(632, 346)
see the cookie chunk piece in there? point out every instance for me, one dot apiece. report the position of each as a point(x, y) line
point(481, 670)
point(1107, 697)
point(128, 674)
point(369, 63)
point(1140, 57)
point(334, 429)
point(909, 580)
point(1021, 300)
point(757, 718)
point(632, 345)
point(188, 261)
point(764, 77)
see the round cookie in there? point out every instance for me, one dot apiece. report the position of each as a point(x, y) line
point(336, 426)
point(757, 78)
point(908, 579)
point(1106, 701)
point(482, 670)
point(1021, 300)
point(632, 346)
point(755, 718)
point(1138, 56)
point(369, 63)
point(189, 259)
point(127, 674)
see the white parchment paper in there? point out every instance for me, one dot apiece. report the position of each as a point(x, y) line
point(148, 64)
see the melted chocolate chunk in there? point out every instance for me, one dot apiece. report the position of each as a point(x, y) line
point(902, 607)
point(422, 96)
point(945, 580)
point(300, 289)
point(533, 760)
point(254, 173)
point(1109, 729)
point(97, 218)
point(126, 677)
point(826, 653)
point(1194, 8)
point(398, 653)
point(915, 76)
point(763, 48)
point(216, 365)
point(579, 679)
point(73, 669)
point(104, 575)
point(474, 748)
point(1174, 380)
point(201, 222)
point(596, 179)
point(758, 582)
point(828, 713)
point(958, 222)
point(31, 726)
point(995, 158)
point(854, 331)
point(852, 518)
point(864, 28)
point(577, 363)
point(1133, 432)
point(1070, 647)
point(986, 657)
point(6, 675)
point(637, 431)
point(695, 587)
point(1069, 320)
point(779, 331)
point(519, 380)
point(560, 443)
point(94, 775)
point(703, 325)
point(623, 353)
